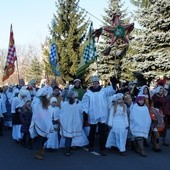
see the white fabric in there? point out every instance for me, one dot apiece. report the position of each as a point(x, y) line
point(71, 119)
point(141, 92)
point(15, 103)
point(80, 140)
point(111, 99)
point(76, 141)
point(54, 111)
point(41, 121)
point(42, 92)
point(118, 96)
point(24, 93)
point(15, 91)
point(96, 106)
point(140, 121)
point(16, 129)
point(95, 78)
point(53, 99)
point(156, 90)
point(118, 133)
point(52, 141)
point(87, 130)
point(16, 132)
point(35, 101)
point(9, 95)
point(77, 80)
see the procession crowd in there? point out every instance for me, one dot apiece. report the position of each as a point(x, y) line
point(121, 115)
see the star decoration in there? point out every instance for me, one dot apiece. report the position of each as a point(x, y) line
point(118, 30)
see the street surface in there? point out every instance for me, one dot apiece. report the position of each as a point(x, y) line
point(14, 157)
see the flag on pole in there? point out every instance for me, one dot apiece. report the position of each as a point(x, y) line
point(89, 53)
point(11, 57)
point(54, 59)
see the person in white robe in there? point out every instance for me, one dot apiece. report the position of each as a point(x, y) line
point(118, 121)
point(16, 123)
point(41, 124)
point(52, 142)
point(71, 122)
point(95, 105)
point(140, 122)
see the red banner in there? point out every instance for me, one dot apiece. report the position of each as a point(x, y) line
point(11, 57)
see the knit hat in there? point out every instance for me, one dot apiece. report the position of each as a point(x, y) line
point(140, 97)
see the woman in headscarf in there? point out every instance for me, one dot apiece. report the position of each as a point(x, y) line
point(144, 90)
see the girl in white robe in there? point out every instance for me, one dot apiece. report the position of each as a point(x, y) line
point(41, 124)
point(118, 121)
point(52, 142)
point(71, 123)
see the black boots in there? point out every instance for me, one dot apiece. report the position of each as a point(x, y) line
point(67, 151)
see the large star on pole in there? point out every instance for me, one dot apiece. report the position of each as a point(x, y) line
point(119, 32)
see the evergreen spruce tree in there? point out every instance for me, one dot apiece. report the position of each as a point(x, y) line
point(153, 54)
point(70, 27)
point(35, 70)
point(110, 65)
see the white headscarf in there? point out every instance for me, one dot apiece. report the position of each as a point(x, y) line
point(156, 90)
point(141, 92)
point(118, 96)
point(42, 92)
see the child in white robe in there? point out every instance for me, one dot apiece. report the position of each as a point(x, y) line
point(71, 122)
point(118, 121)
point(52, 142)
point(140, 122)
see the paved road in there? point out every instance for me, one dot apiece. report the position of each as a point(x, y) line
point(14, 157)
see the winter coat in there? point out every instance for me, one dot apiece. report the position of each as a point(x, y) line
point(25, 116)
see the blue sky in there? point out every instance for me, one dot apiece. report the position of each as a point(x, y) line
point(30, 19)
